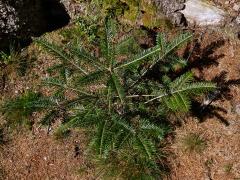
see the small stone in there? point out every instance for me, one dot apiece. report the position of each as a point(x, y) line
point(238, 20)
point(236, 7)
point(237, 109)
point(231, 51)
point(227, 2)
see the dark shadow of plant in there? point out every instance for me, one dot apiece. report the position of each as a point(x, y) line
point(209, 111)
point(206, 109)
point(201, 58)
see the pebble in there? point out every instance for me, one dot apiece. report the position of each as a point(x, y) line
point(238, 19)
point(237, 109)
point(227, 2)
point(236, 7)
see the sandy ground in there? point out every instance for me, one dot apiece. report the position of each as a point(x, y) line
point(38, 156)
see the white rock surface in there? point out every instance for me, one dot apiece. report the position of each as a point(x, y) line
point(201, 13)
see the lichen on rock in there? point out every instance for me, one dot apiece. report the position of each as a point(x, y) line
point(8, 19)
point(171, 9)
point(145, 13)
point(22, 19)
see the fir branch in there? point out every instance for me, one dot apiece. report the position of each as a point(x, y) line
point(58, 52)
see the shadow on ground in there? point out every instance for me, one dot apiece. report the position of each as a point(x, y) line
point(201, 58)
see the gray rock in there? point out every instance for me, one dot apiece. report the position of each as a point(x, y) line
point(73, 8)
point(172, 8)
point(22, 19)
point(8, 19)
point(201, 13)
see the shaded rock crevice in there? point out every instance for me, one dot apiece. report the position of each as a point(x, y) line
point(22, 19)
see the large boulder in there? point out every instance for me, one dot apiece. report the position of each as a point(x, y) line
point(22, 19)
point(8, 23)
point(202, 13)
point(8, 19)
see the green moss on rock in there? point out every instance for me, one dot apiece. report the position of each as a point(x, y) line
point(144, 12)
